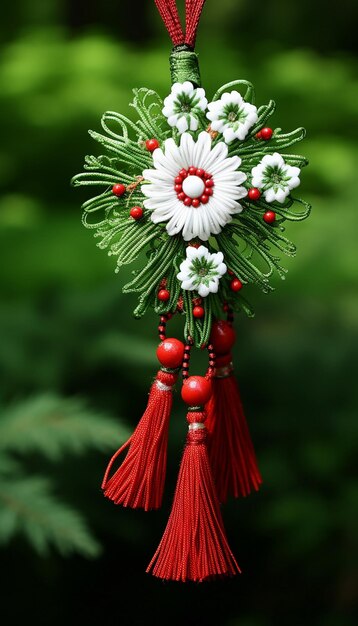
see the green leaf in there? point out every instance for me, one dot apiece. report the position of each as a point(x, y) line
point(52, 426)
point(29, 507)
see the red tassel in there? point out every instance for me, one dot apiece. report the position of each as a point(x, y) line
point(231, 452)
point(194, 545)
point(139, 481)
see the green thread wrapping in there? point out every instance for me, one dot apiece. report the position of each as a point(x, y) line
point(184, 65)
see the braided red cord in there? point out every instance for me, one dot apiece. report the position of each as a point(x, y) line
point(170, 16)
point(193, 9)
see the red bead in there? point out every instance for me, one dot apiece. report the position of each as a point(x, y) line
point(195, 202)
point(209, 182)
point(207, 175)
point(258, 135)
point(222, 336)
point(118, 189)
point(152, 144)
point(163, 295)
point(183, 173)
point(181, 196)
point(236, 285)
point(198, 311)
point(192, 170)
point(208, 191)
point(196, 390)
point(204, 199)
point(254, 193)
point(170, 352)
point(136, 212)
point(187, 201)
point(178, 180)
point(269, 217)
point(178, 188)
point(266, 133)
point(200, 172)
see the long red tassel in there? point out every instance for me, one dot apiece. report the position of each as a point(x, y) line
point(139, 481)
point(231, 452)
point(194, 545)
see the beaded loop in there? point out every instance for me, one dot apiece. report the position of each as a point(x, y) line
point(210, 373)
point(163, 319)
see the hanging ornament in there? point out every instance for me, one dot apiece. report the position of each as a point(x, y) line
point(203, 187)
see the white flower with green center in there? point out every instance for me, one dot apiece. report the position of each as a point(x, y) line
point(275, 178)
point(232, 116)
point(184, 106)
point(201, 270)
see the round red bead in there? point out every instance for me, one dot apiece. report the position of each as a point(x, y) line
point(236, 285)
point(152, 144)
point(266, 133)
point(200, 172)
point(188, 201)
point(254, 193)
point(209, 182)
point(196, 390)
point(192, 170)
point(136, 212)
point(222, 336)
point(178, 188)
point(204, 199)
point(195, 202)
point(183, 173)
point(119, 189)
point(198, 311)
point(163, 295)
point(269, 217)
point(208, 191)
point(178, 180)
point(170, 353)
point(181, 196)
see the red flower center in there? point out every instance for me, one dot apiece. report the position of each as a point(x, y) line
point(194, 186)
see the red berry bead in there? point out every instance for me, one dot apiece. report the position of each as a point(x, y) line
point(195, 203)
point(118, 189)
point(163, 295)
point(198, 311)
point(258, 135)
point(136, 212)
point(181, 196)
point(192, 170)
point(208, 191)
point(204, 199)
point(222, 337)
point(178, 188)
point(236, 285)
point(254, 193)
point(170, 352)
point(152, 144)
point(266, 133)
point(269, 217)
point(183, 173)
point(209, 182)
point(178, 180)
point(188, 201)
point(196, 390)
point(200, 172)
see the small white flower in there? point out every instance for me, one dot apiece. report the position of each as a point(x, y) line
point(232, 116)
point(201, 270)
point(193, 187)
point(184, 106)
point(275, 177)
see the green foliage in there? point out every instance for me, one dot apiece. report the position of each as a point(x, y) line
point(52, 427)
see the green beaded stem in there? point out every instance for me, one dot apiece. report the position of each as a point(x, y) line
point(184, 65)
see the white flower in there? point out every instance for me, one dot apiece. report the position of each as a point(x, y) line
point(184, 106)
point(193, 187)
point(201, 270)
point(232, 116)
point(275, 177)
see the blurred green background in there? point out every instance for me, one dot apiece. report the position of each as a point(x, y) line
point(75, 367)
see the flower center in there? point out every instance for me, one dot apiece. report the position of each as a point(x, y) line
point(232, 116)
point(193, 186)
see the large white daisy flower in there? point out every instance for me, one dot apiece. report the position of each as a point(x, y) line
point(275, 178)
point(184, 106)
point(232, 116)
point(201, 270)
point(193, 187)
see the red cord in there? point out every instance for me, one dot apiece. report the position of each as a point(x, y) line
point(170, 16)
